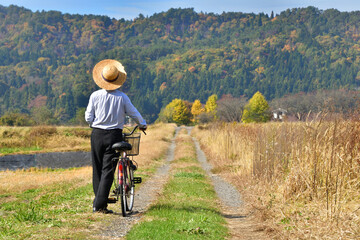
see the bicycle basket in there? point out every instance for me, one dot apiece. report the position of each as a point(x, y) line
point(134, 140)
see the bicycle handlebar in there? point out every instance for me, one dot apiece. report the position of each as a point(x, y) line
point(136, 127)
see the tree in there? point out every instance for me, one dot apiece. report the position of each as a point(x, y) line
point(231, 109)
point(176, 111)
point(43, 116)
point(79, 118)
point(303, 105)
point(16, 119)
point(257, 110)
point(197, 109)
point(181, 113)
point(175, 54)
point(211, 105)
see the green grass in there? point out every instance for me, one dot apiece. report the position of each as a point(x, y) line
point(187, 209)
point(59, 211)
point(6, 151)
point(145, 172)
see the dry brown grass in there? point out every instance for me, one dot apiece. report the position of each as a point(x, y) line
point(184, 145)
point(302, 177)
point(185, 151)
point(45, 138)
point(153, 146)
point(62, 139)
point(22, 180)
point(226, 151)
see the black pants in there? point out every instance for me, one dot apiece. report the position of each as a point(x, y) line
point(103, 165)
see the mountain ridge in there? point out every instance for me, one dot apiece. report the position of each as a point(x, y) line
point(174, 54)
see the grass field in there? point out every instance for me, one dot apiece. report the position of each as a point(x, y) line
point(60, 208)
point(302, 179)
point(23, 140)
point(57, 203)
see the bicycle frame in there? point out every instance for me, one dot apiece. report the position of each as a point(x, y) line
point(122, 161)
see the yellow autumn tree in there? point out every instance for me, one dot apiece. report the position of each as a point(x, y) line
point(197, 109)
point(176, 111)
point(257, 110)
point(211, 105)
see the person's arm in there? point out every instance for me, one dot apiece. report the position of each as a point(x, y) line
point(90, 112)
point(131, 111)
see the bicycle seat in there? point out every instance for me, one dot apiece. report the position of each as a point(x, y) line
point(121, 146)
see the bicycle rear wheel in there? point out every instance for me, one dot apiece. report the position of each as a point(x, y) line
point(124, 186)
point(119, 186)
point(122, 179)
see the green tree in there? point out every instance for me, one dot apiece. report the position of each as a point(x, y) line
point(174, 54)
point(43, 116)
point(257, 110)
point(16, 119)
point(79, 118)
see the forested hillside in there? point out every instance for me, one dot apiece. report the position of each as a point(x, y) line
point(46, 58)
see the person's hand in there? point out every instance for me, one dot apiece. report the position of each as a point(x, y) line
point(143, 128)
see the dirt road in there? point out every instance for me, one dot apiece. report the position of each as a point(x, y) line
point(241, 224)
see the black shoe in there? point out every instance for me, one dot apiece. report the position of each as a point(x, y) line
point(102, 210)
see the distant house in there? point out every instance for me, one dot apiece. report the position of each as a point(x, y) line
point(279, 114)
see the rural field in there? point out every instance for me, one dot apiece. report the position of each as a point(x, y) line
point(253, 114)
point(56, 203)
point(302, 179)
point(298, 180)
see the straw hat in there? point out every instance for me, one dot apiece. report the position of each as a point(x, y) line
point(109, 74)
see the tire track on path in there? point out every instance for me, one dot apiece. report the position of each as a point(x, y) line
point(119, 226)
point(242, 225)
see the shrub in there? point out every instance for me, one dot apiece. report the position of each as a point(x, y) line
point(37, 136)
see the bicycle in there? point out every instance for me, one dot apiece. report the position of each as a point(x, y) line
point(124, 179)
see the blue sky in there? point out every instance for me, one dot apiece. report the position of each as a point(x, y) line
point(129, 9)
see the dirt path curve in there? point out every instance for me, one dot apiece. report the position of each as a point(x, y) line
point(242, 225)
point(119, 226)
